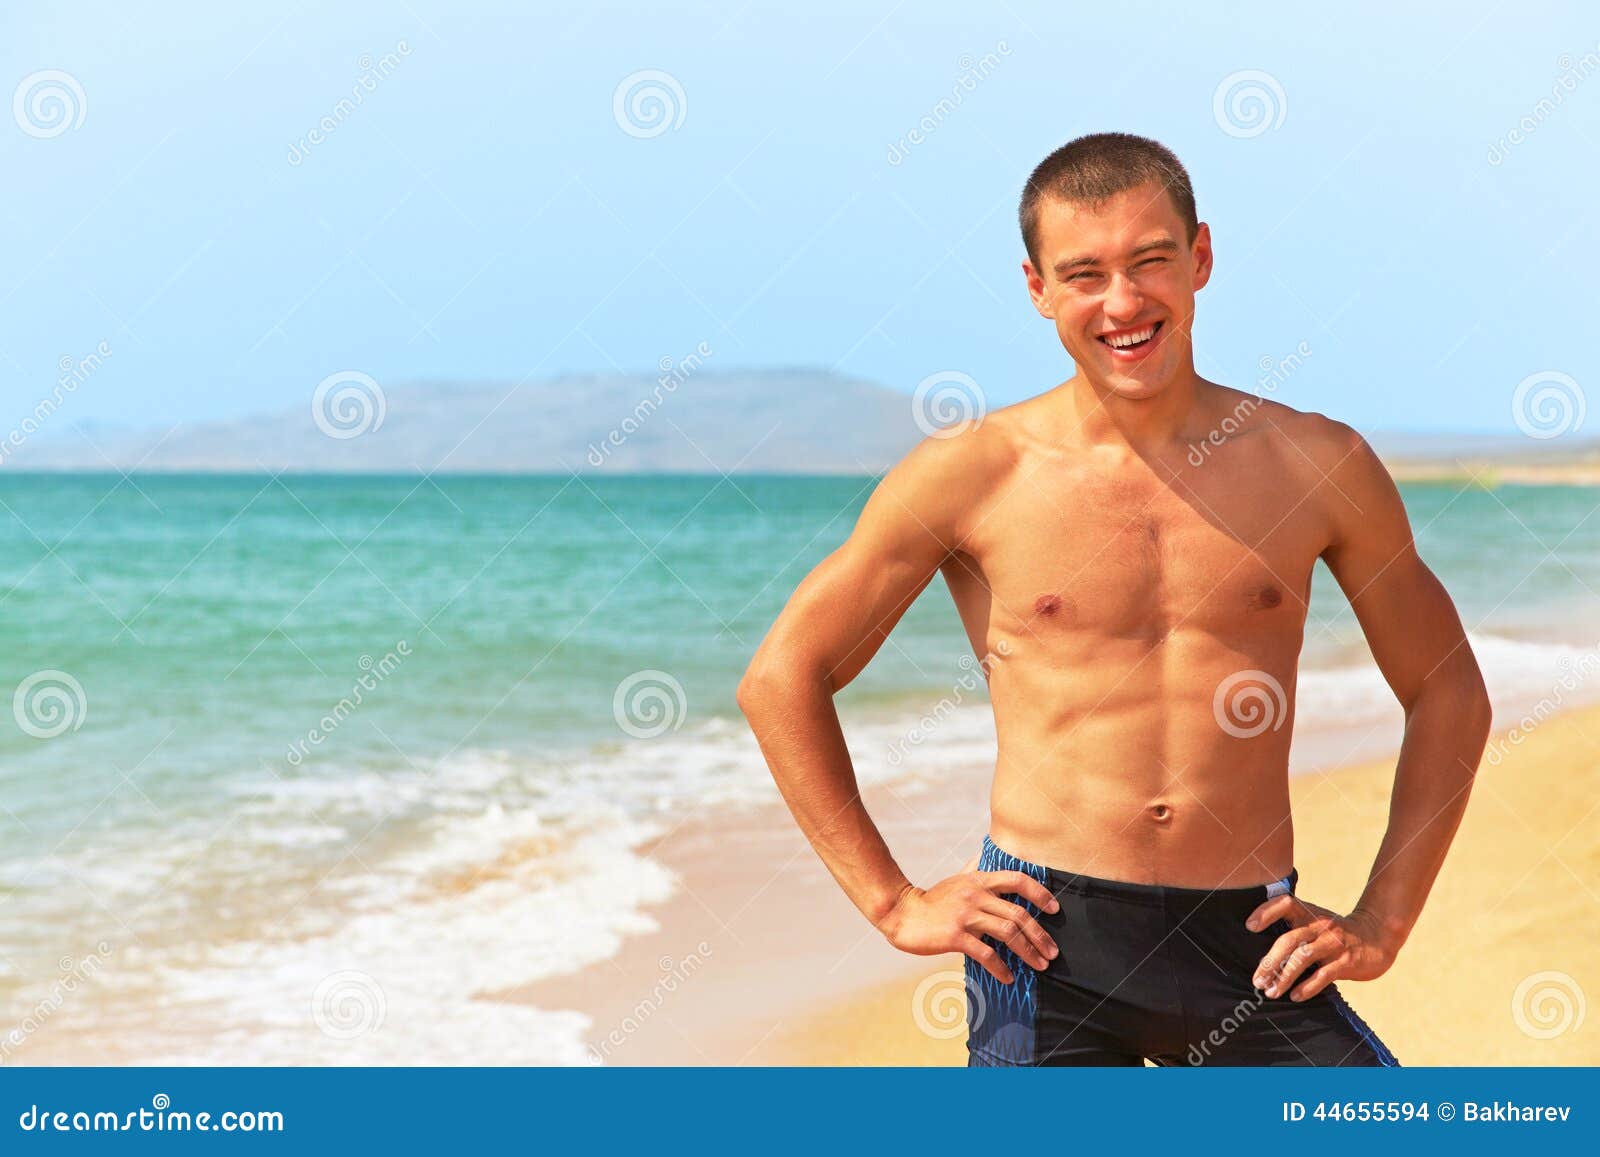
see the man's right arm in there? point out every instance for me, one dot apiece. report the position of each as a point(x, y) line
point(834, 623)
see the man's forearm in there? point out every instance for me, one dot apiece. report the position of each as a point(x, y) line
point(796, 724)
point(1446, 729)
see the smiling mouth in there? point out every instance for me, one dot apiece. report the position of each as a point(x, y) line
point(1133, 339)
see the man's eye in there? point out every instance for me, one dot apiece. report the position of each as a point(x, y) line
point(1153, 261)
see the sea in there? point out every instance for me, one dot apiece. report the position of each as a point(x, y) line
point(306, 769)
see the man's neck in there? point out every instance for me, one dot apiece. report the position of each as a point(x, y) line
point(1143, 425)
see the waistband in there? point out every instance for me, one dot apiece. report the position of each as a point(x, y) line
point(1060, 880)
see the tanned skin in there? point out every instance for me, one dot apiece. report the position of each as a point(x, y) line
point(1111, 585)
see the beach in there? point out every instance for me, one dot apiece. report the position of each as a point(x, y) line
point(1496, 972)
point(496, 804)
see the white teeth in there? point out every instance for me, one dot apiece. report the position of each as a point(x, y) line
point(1131, 338)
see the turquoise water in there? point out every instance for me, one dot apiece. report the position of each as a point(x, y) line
point(182, 780)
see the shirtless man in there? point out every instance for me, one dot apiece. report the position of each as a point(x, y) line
point(1131, 555)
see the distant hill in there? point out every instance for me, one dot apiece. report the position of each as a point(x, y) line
point(782, 421)
point(788, 421)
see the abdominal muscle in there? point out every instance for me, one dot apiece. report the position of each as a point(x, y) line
point(1114, 764)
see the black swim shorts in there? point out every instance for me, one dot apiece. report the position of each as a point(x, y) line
point(1148, 971)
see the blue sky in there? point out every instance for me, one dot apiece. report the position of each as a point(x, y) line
point(483, 215)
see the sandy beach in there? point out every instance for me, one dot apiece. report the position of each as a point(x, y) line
point(759, 959)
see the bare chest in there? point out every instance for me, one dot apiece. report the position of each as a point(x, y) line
point(1099, 558)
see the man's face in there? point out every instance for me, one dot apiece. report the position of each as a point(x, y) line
point(1117, 273)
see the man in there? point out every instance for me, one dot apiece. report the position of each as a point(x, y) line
point(1131, 552)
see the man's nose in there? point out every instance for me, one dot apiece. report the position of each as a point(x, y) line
point(1123, 299)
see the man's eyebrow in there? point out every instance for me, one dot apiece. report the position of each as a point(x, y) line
point(1161, 244)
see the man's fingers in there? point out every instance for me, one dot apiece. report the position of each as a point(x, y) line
point(1020, 884)
point(1009, 932)
point(1320, 979)
point(987, 958)
point(1282, 966)
point(1036, 935)
point(1287, 907)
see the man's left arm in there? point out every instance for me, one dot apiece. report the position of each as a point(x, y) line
point(1419, 644)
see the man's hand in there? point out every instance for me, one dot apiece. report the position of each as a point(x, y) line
point(1349, 947)
point(953, 914)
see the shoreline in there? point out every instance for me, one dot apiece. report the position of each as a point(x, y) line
point(774, 966)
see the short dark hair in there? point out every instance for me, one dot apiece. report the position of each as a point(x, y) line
point(1092, 169)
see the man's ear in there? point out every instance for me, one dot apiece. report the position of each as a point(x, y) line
point(1201, 251)
point(1037, 291)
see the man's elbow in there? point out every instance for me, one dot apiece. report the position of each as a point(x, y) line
point(762, 684)
point(772, 680)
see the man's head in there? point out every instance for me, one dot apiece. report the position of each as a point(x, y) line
point(1115, 250)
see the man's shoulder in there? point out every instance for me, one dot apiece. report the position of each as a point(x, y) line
point(974, 451)
point(1305, 436)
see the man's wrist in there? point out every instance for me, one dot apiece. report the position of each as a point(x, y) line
point(1389, 932)
point(882, 912)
